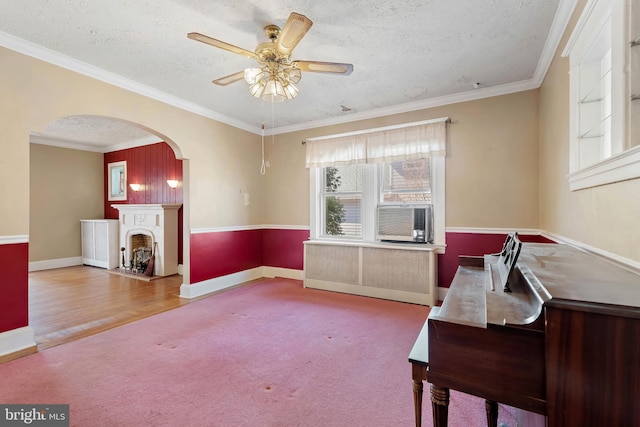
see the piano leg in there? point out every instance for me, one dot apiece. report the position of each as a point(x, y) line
point(492, 413)
point(440, 406)
point(417, 402)
point(419, 373)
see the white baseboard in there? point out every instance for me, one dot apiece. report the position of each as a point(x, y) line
point(224, 282)
point(16, 340)
point(368, 291)
point(442, 292)
point(55, 263)
point(219, 283)
point(287, 273)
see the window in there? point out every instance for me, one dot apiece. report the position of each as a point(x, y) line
point(352, 174)
point(341, 201)
point(341, 197)
point(344, 199)
point(604, 94)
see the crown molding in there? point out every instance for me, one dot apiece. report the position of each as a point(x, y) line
point(558, 27)
point(47, 55)
point(559, 24)
point(472, 95)
point(43, 139)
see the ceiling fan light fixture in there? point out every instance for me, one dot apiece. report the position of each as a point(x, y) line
point(291, 91)
point(274, 90)
point(294, 75)
point(257, 89)
point(252, 75)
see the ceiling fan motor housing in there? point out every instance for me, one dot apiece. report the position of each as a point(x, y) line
point(272, 31)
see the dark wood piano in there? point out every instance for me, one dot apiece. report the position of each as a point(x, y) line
point(546, 328)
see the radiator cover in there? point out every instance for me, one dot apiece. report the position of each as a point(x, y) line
point(396, 272)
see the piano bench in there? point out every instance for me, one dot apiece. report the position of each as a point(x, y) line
point(419, 358)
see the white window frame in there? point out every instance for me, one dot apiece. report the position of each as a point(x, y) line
point(321, 193)
point(370, 201)
point(621, 159)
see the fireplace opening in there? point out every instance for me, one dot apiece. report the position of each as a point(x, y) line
point(141, 252)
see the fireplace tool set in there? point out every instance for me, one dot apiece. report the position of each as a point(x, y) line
point(141, 263)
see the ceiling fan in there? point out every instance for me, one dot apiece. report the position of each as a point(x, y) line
point(277, 75)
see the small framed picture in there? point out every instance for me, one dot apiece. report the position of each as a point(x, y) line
point(117, 173)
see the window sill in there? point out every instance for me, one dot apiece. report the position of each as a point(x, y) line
point(360, 243)
point(620, 167)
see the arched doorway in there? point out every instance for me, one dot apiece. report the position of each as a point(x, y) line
point(67, 182)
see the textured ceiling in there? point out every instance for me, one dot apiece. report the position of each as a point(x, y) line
point(407, 54)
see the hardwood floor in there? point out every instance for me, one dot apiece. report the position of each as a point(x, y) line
point(69, 303)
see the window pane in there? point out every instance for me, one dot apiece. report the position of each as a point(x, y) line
point(343, 215)
point(406, 182)
point(340, 179)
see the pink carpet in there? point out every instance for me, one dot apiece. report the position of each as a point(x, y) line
point(270, 353)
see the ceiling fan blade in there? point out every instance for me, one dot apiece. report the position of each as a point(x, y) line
point(231, 78)
point(323, 67)
point(294, 29)
point(222, 45)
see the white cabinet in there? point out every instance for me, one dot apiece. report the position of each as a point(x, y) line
point(100, 239)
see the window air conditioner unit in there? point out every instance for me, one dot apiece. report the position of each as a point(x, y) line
point(401, 223)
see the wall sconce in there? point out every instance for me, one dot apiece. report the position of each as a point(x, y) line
point(172, 183)
point(135, 187)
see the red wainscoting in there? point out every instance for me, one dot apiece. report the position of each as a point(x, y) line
point(14, 286)
point(220, 253)
point(473, 244)
point(284, 248)
point(151, 166)
point(217, 254)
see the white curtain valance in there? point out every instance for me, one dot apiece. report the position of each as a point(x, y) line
point(389, 144)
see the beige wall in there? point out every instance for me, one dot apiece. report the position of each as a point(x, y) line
point(506, 165)
point(604, 217)
point(222, 160)
point(491, 164)
point(65, 187)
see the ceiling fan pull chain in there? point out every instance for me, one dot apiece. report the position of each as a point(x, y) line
point(263, 169)
point(273, 126)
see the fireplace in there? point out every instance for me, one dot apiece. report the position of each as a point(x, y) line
point(141, 245)
point(147, 228)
